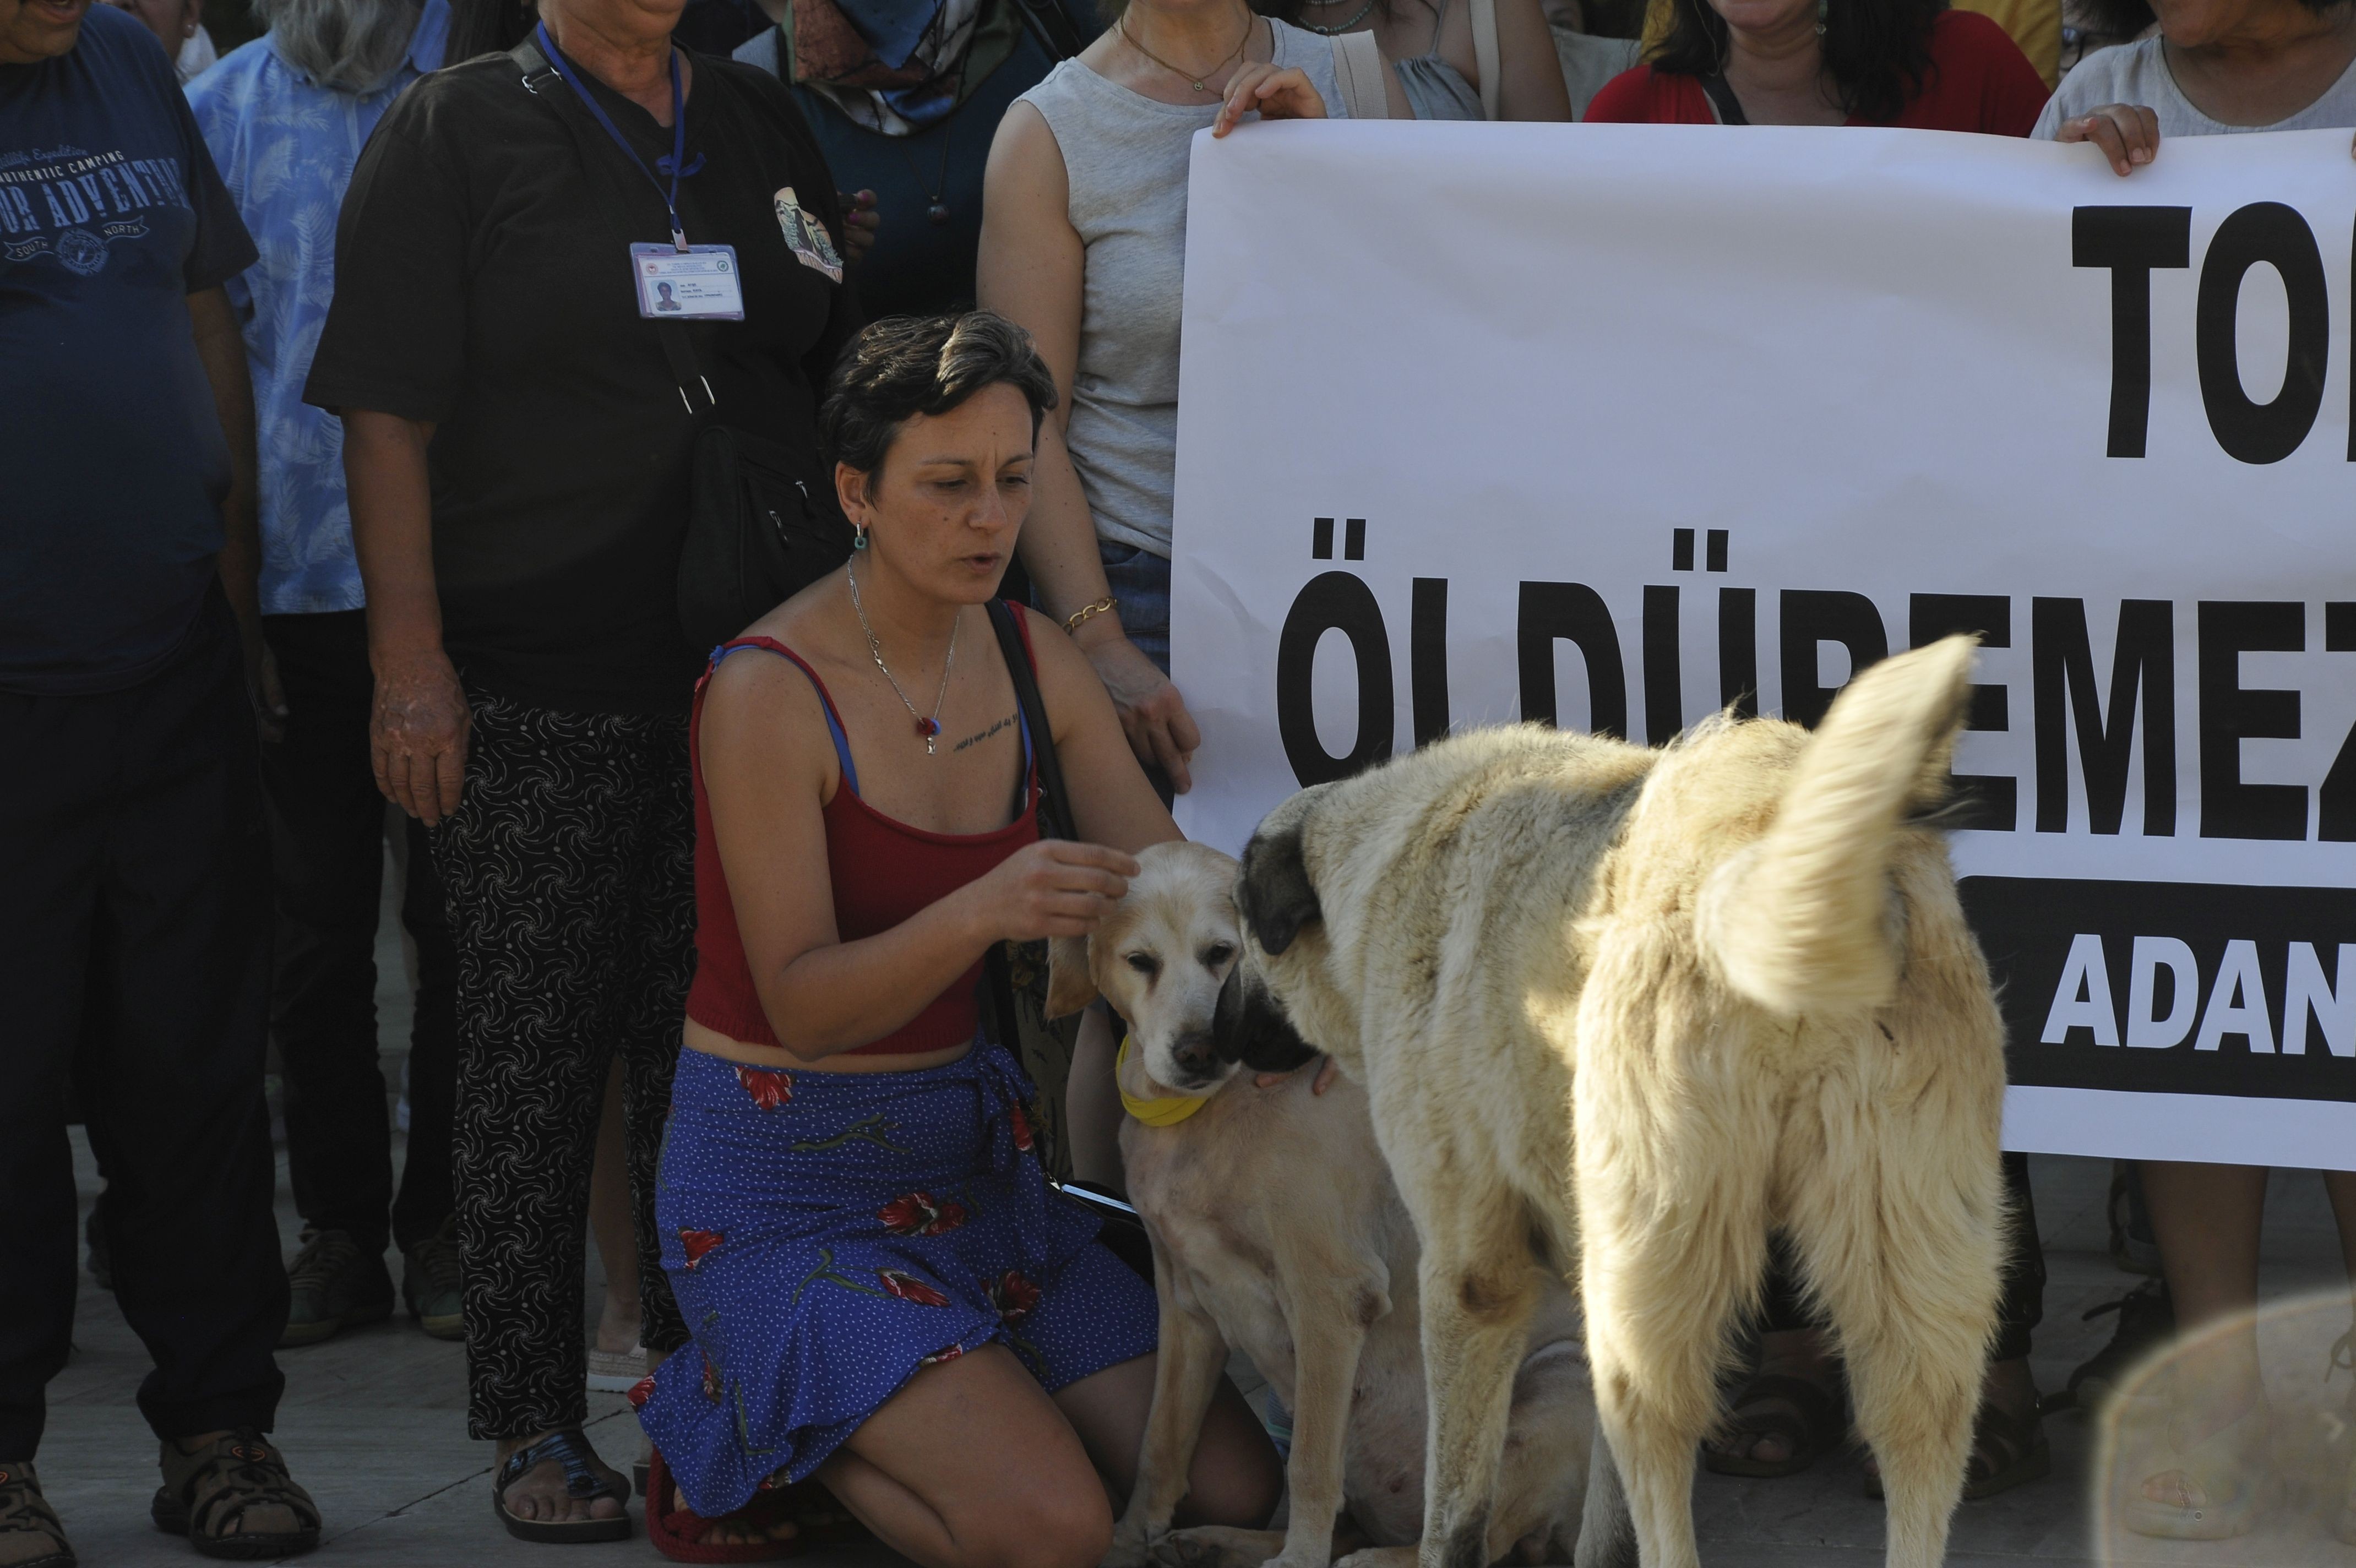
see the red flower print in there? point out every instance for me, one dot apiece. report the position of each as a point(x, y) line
point(1021, 1127)
point(641, 1392)
point(1013, 1295)
point(946, 1354)
point(695, 1243)
point(711, 1381)
point(769, 1089)
point(908, 1287)
point(920, 1213)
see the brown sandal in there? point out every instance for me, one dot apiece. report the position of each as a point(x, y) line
point(23, 1511)
point(207, 1495)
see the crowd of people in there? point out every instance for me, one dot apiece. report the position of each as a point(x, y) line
point(344, 468)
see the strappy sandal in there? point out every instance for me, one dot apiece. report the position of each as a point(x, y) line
point(2023, 1454)
point(1812, 1419)
point(571, 1450)
point(23, 1511)
point(208, 1496)
point(2228, 1470)
point(678, 1532)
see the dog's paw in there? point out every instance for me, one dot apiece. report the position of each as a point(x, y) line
point(1215, 1546)
point(1380, 1557)
point(1130, 1549)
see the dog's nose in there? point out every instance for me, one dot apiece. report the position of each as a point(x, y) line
point(1194, 1056)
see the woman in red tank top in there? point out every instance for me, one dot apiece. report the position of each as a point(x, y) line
point(885, 1292)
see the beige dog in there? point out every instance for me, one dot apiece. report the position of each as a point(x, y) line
point(1637, 1010)
point(1276, 1232)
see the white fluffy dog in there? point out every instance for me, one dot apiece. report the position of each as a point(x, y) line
point(1634, 1012)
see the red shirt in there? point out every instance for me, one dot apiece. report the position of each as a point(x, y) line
point(1979, 80)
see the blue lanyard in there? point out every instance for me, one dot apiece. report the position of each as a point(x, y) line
point(672, 166)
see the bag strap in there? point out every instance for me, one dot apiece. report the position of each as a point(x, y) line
point(1054, 800)
point(1486, 58)
point(1046, 22)
point(1722, 98)
point(1358, 71)
point(679, 348)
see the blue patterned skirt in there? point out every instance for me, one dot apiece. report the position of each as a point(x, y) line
point(828, 1234)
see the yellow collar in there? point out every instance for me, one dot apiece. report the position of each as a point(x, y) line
point(1168, 1111)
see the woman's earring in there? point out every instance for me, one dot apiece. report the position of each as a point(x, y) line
point(858, 536)
point(1823, 9)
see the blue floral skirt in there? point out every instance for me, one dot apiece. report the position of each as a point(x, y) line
point(828, 1234)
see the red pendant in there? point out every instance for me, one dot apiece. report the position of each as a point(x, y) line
point(928, 728)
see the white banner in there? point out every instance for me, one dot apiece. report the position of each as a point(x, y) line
point(1610, 425)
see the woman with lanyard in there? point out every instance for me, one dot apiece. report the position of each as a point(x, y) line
point(518, 431)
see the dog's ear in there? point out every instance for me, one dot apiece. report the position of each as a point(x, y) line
point(1070, 984)
point(1273, 893)
point(1250, 1027)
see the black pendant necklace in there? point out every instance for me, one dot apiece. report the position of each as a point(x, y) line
point(938, 212)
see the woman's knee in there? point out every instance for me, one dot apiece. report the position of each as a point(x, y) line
point(1067, 1526)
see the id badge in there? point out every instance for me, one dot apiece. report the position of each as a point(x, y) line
point(699, 284)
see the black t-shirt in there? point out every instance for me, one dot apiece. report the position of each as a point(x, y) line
point(483, 282)
point(111, 463)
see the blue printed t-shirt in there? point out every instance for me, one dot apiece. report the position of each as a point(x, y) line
point(112, 466)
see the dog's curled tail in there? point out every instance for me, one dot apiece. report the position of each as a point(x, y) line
point(1803, 920)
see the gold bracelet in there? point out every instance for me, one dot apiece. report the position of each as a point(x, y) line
point(1081, 617)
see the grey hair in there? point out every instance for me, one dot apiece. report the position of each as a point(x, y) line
point(344, 46)
point(908, 365)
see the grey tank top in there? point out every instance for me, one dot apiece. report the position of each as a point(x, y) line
point(1436, 89)
point(1125, 157)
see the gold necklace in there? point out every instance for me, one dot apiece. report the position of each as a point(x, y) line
point(1197, 83)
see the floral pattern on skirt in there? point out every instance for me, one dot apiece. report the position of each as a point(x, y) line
point(828, 1234)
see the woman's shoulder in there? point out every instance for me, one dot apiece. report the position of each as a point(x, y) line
point(1979, 78)
point(1643, 96)
point(1968, 40)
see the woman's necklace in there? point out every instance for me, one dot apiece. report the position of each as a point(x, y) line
point(938, 209)
point(930, 729)
point(1197, 82)
point(1324, 32)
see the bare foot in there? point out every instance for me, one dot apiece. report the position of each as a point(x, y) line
point(1792, 1353)
point(538, 1493)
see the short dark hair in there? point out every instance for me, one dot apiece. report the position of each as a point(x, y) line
point(1877, 51)
point(908, 365)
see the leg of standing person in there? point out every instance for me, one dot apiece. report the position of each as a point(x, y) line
point(536, 868)
point(652, 1011)
point(424, 1224)
point(618, 1358)
point(149, 800)
point(327, 824)
point(2207, 1218)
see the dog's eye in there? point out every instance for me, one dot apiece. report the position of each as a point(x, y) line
point(1145, 963)
point(1217, 954)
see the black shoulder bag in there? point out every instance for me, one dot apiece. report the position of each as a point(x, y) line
point(1721, 97)
point(1018, 979)
point(761, 525)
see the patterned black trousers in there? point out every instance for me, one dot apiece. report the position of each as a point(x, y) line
point(569, 872)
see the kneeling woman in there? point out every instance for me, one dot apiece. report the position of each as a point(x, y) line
point(884, 1291)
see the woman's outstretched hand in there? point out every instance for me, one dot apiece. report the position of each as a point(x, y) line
point(1277, 95)
point(1056, 887)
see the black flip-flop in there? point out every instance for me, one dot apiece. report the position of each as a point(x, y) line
point(570, 1449)
point(1815, 1422)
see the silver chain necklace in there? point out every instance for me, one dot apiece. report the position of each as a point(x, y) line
point(930, 729)
point(1324, 32)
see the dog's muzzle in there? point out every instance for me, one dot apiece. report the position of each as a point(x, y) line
point(1250, 1026)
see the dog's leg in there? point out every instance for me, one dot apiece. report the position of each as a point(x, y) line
point(1673, 1242)
point(1185, 1375)
point(1607, 1536)
point(1907, 1267)
point(1478, 1284)
point(1542, 1484)
point(1329, 1330)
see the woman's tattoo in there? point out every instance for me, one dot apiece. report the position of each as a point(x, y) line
point(986, 734)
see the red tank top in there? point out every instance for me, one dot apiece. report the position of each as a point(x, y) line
point(882, 871)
